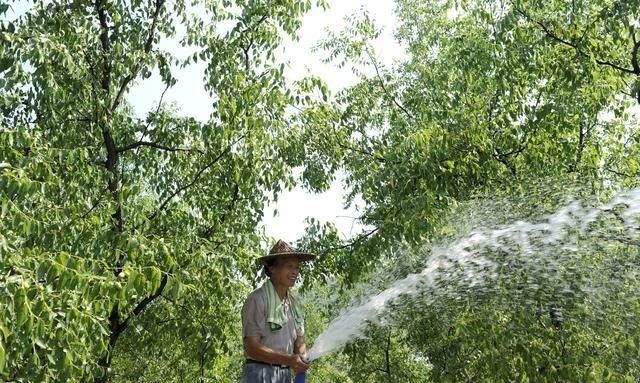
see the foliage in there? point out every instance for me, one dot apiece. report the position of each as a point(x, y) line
point(127, 243)
point(495, 98)
point(488, 99)
point(567, 315)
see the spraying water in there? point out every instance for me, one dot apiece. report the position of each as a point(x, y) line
point(548, 247)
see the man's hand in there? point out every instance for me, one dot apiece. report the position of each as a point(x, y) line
point(298, 364)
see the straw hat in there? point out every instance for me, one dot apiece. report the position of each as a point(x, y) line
point(282, 250)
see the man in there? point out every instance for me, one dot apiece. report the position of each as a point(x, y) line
point(272, 321)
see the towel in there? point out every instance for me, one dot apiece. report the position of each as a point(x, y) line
point(276, 317)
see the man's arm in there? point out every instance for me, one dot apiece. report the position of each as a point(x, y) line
point(257, 351)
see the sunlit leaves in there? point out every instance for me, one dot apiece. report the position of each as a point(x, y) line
point(488, 97)
point(121, 230)
point(494, 97)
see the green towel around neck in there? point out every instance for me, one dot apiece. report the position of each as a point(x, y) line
point(275, 310)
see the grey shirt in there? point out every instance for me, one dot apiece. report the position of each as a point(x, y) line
point(254, 323)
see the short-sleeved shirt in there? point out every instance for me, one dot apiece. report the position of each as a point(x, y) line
point(254, 323)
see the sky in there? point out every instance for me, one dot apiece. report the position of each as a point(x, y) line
point(293, 207)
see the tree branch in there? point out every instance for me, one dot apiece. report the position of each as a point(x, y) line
point(582, 135)
point(384, 88)
point(106, 45)
point(139, 308)
point(146, 127)
point(103, 118)
point(619, 174)
point(503, 160)
point(115, 325)
point(634, 55)
point(196, 177)
point(387, 358)
point(147, 48)
point(139, 144)
point(559, 39)
point(234, 199)
point(366, 153)
point(359, 239)
point(503, 157)
point(112, 154)
point(634, 61)
point(246, 50)
point(246, 55)
point(256, 25)
point(94, 205)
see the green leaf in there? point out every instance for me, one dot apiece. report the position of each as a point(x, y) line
point(20, 306)
point(2, 358)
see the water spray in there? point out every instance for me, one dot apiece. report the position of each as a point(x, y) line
point(473, 262)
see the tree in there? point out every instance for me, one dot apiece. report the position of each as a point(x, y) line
point(114, 226)
point(126, 243)
point(490, 96)
point(495, 98)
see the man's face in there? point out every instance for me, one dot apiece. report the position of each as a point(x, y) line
point(285, 272)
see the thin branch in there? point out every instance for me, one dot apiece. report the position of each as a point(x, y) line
point(140, 307)
point(356, 241)
point(513, 152)
point(146, 127)
point(582, 136)
point(234, 199)
point(634, 61)
point(634, 55)
point(503, 160)
point(112, 166)
point(387, 357)
point(502, 157)
point(196, 177)
point(246, 56)
point(256, 25)
point(139, 144)
point(95, 204)
point(147, 48)
point(249, 28)
point(384, 88)
point(92, 68)
point(620, 174)
point(366, 153)
point(161, 322)
point(112, 154)
point(106, 44)
point(559, 39)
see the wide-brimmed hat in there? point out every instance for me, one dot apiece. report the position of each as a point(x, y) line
point(283, 250)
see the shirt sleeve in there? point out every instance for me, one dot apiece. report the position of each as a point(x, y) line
point(300, 330)
point(300, 326)
point(253, 317)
